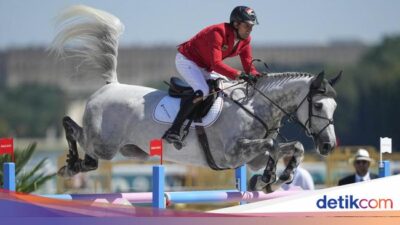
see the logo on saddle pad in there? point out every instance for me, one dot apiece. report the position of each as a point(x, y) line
point(167, 109)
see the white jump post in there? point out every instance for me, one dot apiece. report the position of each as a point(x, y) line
point(384, 165)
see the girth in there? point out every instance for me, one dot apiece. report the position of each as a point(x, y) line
point(202, 136)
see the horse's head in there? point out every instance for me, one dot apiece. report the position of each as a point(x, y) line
point(316, 113)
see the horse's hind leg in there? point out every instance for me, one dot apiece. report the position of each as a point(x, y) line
point(74, 133)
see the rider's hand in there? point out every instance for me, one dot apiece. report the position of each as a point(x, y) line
point(248, 77)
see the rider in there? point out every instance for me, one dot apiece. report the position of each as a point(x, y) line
point(204, 53)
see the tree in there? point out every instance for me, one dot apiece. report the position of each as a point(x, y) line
point(31, 180)
point(373, 110)
point(30, 110)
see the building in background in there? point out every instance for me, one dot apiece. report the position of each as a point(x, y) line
point(149, 66)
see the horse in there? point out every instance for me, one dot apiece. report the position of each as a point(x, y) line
point(119, 117)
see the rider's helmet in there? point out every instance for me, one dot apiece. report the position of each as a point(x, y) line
point(243, 14)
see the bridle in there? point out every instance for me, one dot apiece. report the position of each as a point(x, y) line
point(308, 122)
point(291, 116)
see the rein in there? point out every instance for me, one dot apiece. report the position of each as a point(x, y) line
point(291, 116)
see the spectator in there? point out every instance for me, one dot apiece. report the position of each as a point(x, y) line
point(361, 163)
point(302, 178)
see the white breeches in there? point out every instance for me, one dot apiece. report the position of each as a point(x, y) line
point(194, 75)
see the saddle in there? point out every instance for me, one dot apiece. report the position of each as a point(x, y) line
point(178, 88)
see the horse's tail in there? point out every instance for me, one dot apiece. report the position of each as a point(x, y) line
point(93, 35)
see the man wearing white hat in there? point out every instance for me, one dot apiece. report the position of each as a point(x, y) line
point(361, 164)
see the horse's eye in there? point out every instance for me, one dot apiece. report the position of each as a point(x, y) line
point(318, 106)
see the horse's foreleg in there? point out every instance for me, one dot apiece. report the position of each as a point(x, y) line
point(269, 176)
point(73, 132)
point(247, 149)
point(263, 182)
point(296, 149)
point(268, 147)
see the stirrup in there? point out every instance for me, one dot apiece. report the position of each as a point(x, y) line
point(172, 138)
point(175, 139)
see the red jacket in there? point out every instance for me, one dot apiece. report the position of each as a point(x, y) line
point(215, 43)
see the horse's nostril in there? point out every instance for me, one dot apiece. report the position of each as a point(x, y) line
point(327, 146)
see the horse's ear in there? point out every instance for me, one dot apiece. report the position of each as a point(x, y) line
point(318, 80)
point(333, 81)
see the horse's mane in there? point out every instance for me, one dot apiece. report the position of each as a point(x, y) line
point(278, 79)
point(290, 74)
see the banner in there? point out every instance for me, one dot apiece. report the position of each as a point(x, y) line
point(156, 148)
point(7, 147)
point(386, 145)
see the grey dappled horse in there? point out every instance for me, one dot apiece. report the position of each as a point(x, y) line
point(118, 117)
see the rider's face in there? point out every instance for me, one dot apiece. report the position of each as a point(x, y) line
point(244, 29)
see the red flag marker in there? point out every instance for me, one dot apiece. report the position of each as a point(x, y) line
point(156, 148)
point(7, 147)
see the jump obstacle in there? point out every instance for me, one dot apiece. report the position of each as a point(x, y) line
point(160, 199)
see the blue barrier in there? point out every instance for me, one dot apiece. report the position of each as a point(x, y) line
point(384, 168)
point(9, 176)
point(158, 195)
point(158, 187)
point(160, 199)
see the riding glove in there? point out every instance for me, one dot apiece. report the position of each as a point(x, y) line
point(248, 77)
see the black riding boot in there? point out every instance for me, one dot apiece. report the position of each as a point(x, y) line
point(173, 134)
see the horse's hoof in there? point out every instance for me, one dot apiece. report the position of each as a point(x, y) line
point(268, 189)
point(256, 183)
point(178, 145)
point(66, 173)
point(286, 178)
point(253, 183)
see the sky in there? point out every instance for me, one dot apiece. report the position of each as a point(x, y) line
point(170, 22)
